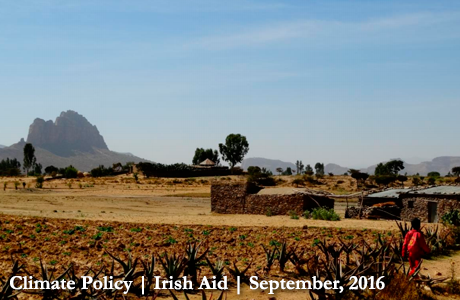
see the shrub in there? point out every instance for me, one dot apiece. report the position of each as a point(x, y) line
point(269, 212)
point(70, 172)
point(451, 218)
point(101, 171)
point(39, 182)
point(434, 174)
point(298, 181)
point(293, 215)
point(260, 176)
point(321, 213)
point(431, 180)
point(416, 181)
point(307, 214)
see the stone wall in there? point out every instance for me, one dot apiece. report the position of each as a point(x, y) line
point(420, 207)
point(242, 198)
point(228, 198)
point(277, 204)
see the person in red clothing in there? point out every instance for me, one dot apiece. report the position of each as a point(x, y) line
point(414, 246)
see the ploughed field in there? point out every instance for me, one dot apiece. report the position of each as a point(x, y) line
point(86, 244)
point(82, 222)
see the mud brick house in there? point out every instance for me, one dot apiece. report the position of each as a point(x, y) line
point(430, 204)
point(244, 198)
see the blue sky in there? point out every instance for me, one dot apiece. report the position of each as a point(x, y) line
point(349, 82)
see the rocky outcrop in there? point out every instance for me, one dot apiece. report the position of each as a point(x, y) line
point(70, 140)
point(70, 134)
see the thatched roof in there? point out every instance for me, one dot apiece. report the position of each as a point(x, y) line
point(207, 162)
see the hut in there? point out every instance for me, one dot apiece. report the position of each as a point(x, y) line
point(207, 163)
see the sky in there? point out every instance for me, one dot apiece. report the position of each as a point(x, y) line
point(346, 82)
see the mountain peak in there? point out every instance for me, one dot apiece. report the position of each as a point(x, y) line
point(68, 134)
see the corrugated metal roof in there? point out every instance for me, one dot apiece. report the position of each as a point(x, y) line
point(393, 193)
point(439, 190)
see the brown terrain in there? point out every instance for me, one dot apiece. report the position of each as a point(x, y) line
point(160, 215)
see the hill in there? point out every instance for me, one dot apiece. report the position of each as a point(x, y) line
point(70, 140)
point(335, 169)
point(271, 164)
point(442, 164)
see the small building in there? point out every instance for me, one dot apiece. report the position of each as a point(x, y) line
point(245, 198)
point(207, 163)
point(430, 204)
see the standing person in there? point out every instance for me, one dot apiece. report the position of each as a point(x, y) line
point(414, 246)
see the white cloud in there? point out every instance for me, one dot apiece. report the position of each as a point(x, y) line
point(330, 31)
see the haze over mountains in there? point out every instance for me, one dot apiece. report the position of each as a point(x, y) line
point(442, 164)
point(70, 140)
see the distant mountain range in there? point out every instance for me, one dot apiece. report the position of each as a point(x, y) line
point(442, 164)
point(70, 140)
point(271, 164)
point(1, 146)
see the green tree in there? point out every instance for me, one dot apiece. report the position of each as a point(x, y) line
point(29, 157)
point(319, 168)
point(203, 154)
point(358, 175)
point(308, 170)
point(299, 167)
point(279, 170)
point(402, 179)
point(394, 166)
point(434, 174)
point(50, 169)
point(288, 171)
point(70, 172)
point(38, 169)
point(10, 167)
point(235, 148)
point(390, 168)
point(456, 171)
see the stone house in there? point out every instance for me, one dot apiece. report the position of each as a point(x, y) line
point(430, 204)
point(244, 198)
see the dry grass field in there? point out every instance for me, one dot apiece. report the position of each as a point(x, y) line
point(80, 220)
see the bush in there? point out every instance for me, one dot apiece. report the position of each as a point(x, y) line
point(39, 182)
point(451, 218)
point(434, 174)
point(431, 180)
point(416, 181)
point(70, 172)
point(260, 176)
point(101, 171)
point(293, 215)
point(307, 214)
point(298, 181)
point(269, 212)
point(321, 213)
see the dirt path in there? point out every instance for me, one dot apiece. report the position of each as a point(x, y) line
point(442, 266)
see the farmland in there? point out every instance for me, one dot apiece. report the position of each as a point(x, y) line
point(86, 222)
